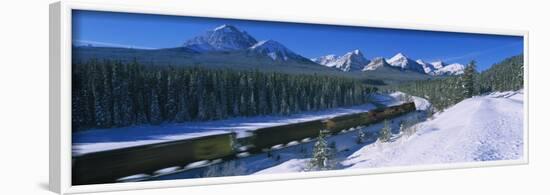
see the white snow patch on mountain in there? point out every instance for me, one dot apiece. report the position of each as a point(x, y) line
point(451, 69)
point(375, 64)
point(439, 68)
point(428, 68)
point(324, 60)
point(438, 64)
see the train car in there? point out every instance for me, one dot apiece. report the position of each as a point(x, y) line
point(380, 114)
point(108, 166)
point(270, 136)
point(339, 123)
point(267, 137)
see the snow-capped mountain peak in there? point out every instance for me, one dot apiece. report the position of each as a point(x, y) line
point(401, 61)
point(274, 50)
point(222, 38)
point(398, 56)
point(351, 61)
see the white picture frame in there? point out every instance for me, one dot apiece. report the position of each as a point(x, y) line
point(60, 98)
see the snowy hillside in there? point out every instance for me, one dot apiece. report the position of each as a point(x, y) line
point(482, 128)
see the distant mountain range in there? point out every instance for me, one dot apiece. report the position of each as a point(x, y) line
point(355, 61)
point(226, 46)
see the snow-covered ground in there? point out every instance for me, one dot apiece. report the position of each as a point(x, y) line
point(107, 139)
point(481, 128)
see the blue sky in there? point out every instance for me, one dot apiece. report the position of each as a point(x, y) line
point(309, 40)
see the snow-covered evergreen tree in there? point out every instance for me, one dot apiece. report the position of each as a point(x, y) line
point(385, 132)
point(322, 153)
point(183, 114)
point(361, 136)
point(171, 106)
point(154, 112)
point(468, 80)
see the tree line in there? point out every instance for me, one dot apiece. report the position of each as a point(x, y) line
point(107, 94)
point(444, 92)
point(504, 76)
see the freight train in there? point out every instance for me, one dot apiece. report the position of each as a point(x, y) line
point(108, 166)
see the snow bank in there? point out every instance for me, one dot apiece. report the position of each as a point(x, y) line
point(293, 165)
point(477, 129)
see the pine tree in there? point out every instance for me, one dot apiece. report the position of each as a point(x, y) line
point(203, 99)
point(171, 105)
point(385, 132)
point(154, 112)
point(361, 137)
point(468, 80)
point(182, 114)
point(322, 153)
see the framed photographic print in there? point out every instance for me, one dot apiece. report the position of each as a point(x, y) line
point(150, 97)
